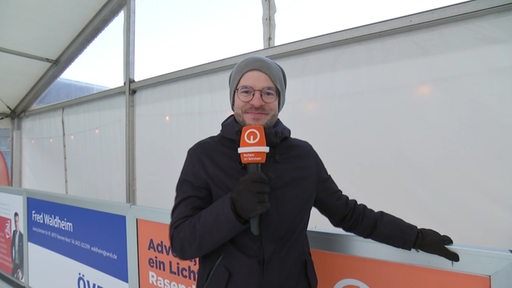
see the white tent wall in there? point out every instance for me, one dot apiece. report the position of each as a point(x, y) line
point(43, 152)
point(95, 149)
point(169, 119)
point(94, 139)
point(415, 122)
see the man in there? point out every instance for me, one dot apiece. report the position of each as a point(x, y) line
point(17, 249)
point(216, 197)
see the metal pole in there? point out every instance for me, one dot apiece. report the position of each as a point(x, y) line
point(269, 24)
point(129, 39)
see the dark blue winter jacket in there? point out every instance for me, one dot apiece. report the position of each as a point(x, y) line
point(203, 224)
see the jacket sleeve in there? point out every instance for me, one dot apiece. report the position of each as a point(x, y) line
point(357, 218)
point(199, 223)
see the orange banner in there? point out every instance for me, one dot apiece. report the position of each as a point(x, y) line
point(340, 271)
point(157, 266)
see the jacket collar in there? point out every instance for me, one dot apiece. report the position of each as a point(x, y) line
point(274, 135)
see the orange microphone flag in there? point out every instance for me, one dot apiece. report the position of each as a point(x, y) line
point(253, 145)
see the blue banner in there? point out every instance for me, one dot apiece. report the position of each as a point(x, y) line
point(94, 238)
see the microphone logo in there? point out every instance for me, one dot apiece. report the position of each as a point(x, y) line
point(252, 136)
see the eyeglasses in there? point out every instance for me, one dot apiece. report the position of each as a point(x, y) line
point(246, 93)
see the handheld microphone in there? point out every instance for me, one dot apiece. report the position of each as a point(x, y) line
point(253, 152)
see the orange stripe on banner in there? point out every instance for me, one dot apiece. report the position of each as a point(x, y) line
point(344, 271)
point(4, 171)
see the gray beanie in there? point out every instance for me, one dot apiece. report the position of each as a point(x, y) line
point(263, 64)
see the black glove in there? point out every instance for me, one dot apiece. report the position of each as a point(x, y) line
point(430, 241)
point(250, 196)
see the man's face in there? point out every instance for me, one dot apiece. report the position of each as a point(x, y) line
point(255, 112)
point(16, 222)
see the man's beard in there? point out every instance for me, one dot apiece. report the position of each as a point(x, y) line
point(240, 119)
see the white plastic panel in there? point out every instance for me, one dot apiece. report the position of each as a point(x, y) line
point(42, 158)
point(95, 149)
point(169, 119)
point(80, 151)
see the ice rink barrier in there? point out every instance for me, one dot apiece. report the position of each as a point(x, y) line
point(341, 260)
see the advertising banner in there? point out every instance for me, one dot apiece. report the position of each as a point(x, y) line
point(11, 236)
point(157, 266)
point(339, 271)
point(86, 248)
